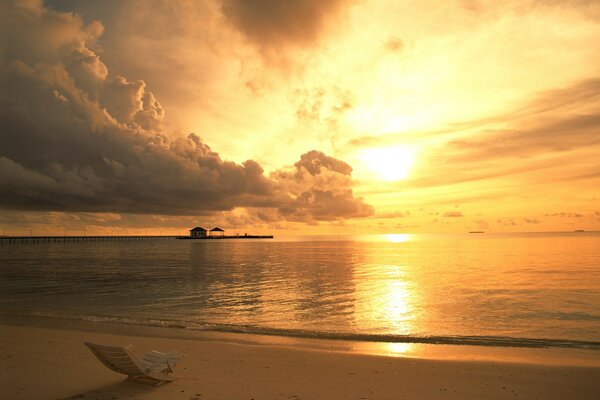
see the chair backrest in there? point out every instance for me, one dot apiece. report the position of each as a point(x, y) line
point(118, 359)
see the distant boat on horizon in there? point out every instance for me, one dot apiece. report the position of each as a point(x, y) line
point(476, 232)
point(579, 230)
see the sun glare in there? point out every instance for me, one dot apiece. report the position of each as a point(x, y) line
point(389, 163)
point(398, 237)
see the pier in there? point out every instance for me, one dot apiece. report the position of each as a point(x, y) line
point(226, 237)
point(65, 239)
point(113, 238)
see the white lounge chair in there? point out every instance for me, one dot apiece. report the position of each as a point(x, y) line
point(153, 368)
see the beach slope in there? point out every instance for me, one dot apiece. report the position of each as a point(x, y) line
point(52, 363)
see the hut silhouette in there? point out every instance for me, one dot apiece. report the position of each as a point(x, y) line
point(217, 231)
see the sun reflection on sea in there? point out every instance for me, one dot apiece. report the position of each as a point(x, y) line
point(393, 301)
point(395, 349)
point(386, 299)
point(398, 237)
point(399, 348)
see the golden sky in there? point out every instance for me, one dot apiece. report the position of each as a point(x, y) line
point(307, 116)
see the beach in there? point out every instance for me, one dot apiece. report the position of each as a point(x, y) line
point(424, 317)
point(47, 360)
point(348, 199)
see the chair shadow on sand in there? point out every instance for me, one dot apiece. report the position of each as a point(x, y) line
point(126, 389)
point(144, 374)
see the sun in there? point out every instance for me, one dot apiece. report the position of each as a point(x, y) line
point(389, 163)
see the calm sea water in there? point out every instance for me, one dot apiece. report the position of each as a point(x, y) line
point(487, 289)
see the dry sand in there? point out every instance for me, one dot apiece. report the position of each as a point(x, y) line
point(50, 362)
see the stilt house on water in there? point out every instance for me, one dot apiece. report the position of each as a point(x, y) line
point(198, 232)
point(217, 232)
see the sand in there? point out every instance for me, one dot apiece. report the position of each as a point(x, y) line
point(49, 361)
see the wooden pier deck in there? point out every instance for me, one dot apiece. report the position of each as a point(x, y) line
point(64, 239)
point(227, 237)
point(113, 238)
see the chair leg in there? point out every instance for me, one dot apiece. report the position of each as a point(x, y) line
point(146, 380)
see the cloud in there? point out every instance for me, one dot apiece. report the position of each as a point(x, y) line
point(452, 214)
point(566, 134)
point(394, 45)
point(393, 215)
point(320, 187)
point(565, 215)
point(321, 107)
point(587, 8)
point(507, 222)
point(557, 121)
point(274, 23)
point(550, 139)
point(482, 224)
point(76, 139)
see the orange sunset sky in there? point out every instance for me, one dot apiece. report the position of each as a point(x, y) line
point(306, 116)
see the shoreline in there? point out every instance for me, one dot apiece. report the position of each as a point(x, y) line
point(431, 351)
point(45, 358)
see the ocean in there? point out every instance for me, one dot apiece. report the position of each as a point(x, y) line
point(523, 290)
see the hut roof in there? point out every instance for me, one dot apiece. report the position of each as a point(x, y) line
point(198, 228)
point(217, 229)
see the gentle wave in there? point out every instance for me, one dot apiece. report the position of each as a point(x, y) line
point(488, 341)
point(490, 290)
point(495, 341)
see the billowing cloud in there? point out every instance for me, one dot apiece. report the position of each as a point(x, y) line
point(320, 186)
point(274, 23)
point(76, 139)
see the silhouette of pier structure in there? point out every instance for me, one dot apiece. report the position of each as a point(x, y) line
point(113, 238)
point(91, 238)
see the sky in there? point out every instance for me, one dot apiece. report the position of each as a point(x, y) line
point(299, 117)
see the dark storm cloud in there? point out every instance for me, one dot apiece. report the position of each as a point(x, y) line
point(73, 138)
point(274, 23)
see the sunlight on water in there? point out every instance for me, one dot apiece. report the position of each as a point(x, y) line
point(396, 306)
point(385, 300)
point(510, 286)
point(399, 348)
point(398, 237)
